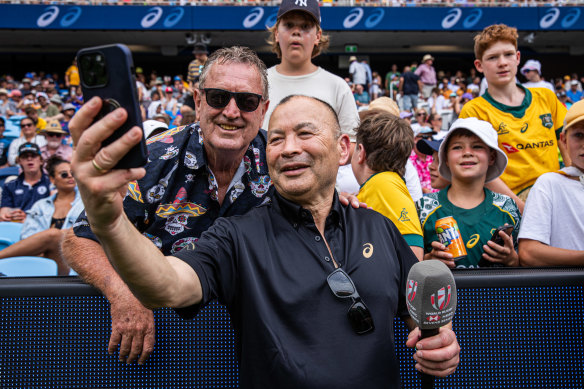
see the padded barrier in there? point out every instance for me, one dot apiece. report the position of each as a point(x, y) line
point(518, 328)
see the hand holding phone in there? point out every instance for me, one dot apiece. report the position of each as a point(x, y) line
point(496, 237)
point(108, 72)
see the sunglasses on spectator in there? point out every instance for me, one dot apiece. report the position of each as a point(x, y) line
point(421, 114)
point(27, 125)
point(66, 174)
point(56, 134)
point(219, 98)
point(343, 287)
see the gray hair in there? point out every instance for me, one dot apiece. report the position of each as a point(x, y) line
point(236, 54)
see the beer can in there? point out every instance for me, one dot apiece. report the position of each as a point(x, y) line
point(449, 235)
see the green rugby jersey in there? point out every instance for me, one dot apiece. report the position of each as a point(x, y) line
point(476, 225)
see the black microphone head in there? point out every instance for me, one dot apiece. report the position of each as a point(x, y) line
point(431, 294)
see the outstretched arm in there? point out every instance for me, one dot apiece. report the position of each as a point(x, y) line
point(155, 279)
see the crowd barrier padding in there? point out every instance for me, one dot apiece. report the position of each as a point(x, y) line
point(517, 328)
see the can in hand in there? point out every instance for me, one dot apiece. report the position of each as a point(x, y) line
point(449, 235)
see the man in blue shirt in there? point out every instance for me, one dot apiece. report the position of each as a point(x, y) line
point(30, 185)
point(277, 267)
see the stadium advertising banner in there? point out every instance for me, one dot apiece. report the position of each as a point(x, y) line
point(70, 17)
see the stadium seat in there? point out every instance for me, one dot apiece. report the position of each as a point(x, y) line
point(28, 267)
point(13, 126)
point(9, 233)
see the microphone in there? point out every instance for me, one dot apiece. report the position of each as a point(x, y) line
point(431, 300)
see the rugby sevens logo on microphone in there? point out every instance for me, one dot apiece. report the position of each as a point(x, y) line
point(443, 298)
point(412, 289)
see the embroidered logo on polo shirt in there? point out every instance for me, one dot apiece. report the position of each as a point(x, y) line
point(18, 191)
point(368, 250)
point(42, 190)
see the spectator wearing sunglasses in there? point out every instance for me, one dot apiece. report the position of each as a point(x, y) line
point(47, 219)
point(297, 38)
point(54, 135)
point(197, 173)
point(313, 286)
point(28, 134)
point(30, 185)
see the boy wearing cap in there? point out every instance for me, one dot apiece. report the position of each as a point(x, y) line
point(384, 143)
point(553, 221)
point(532, 72)
point(469, 157)
point(30, 185)
point(296, 38)
point(528, 121)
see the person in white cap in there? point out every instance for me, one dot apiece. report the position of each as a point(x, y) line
point(553, 220)
point(296, 38)
point(532, 71)
point(46, 109)
point(469, 157)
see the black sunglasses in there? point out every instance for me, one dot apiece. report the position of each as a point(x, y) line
point(219, 98)
point(359, 316)
point(66, 175)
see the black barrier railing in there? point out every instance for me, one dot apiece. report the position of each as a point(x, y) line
point(518, 328)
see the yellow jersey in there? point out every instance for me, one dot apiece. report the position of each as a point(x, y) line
point(386, 193)
point(73, 74)
point(528, 133)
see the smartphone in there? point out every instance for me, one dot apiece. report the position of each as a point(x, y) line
point(108, 72)
point(508, 228)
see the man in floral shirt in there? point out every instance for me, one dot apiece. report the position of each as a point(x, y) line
point(195, 174)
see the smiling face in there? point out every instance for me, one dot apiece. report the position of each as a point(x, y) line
point(573, 140)
point(304, 151)
point(499, 63)
point(228, 129)
point(297, 35)
point(468, 157)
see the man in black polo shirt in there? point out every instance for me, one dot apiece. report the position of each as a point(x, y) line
point(277, 268)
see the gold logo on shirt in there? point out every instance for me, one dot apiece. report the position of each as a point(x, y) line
point(472, 241)
point(368, 250)
point(502, 130)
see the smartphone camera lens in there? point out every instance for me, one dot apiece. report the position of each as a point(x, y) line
point(93, 69)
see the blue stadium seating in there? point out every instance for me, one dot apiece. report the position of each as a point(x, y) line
point(28, 266)
point(9, 233)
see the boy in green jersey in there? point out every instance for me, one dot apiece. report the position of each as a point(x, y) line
point(469, 158)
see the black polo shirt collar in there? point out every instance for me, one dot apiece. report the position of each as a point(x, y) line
point(297, 215)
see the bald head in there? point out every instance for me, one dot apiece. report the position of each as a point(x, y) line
point(331, 118)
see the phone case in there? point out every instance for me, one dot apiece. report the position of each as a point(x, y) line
point(119, 90)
